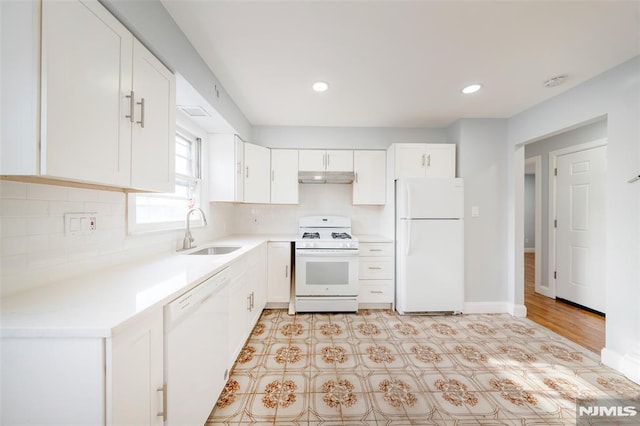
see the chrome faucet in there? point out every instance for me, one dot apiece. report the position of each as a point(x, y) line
point(188, 239)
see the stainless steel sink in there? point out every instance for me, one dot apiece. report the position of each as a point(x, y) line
point(216, 250)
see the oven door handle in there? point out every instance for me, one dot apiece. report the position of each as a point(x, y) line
point(311, 253)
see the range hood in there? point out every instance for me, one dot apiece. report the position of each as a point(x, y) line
point(326, 177)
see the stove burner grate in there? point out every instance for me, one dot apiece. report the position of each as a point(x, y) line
point(340, 236)
point(311, 235)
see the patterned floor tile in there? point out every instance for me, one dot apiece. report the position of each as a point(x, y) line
point(380, 368)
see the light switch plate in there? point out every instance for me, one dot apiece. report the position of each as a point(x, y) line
point(77, 224)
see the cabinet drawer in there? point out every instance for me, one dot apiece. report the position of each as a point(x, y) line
point(374, 268)
point(376, 291)
point(376, 249)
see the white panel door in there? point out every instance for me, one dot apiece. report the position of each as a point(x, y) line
point(153, 141)
point(284, 176)
point(580, 238)
point(86, 74)
point(430, 266)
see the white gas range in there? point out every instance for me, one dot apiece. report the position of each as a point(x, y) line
point(326, 265)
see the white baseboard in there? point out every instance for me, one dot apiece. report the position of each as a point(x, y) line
point(495, 308)
point(627, 364)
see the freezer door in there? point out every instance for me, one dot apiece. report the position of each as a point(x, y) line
point(440, 198)
point(430, 266)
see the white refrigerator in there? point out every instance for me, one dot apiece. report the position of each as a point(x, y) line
point(429, 245)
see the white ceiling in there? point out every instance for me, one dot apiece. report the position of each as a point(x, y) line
point(402, 64)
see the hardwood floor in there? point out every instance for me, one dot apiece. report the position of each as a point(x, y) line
point(583, 327)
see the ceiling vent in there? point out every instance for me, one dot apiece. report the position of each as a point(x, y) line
point(194, 111)
point(555, 81)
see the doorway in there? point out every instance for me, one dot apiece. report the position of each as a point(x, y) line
point(540, 266)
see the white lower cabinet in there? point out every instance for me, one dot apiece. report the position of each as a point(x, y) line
point(248, 296)
point(120, 380)
point(376, 273)
point(279, 273)
point(135, 381)
point(86, 381)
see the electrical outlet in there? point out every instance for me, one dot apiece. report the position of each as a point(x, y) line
point(78, 224)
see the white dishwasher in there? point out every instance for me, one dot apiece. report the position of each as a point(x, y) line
point(196, 329)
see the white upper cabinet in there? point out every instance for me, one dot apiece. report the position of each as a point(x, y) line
point(284, 176)
point(424, 160)
point(370, 174)
point(257, 174)
point(153, 142)
point(226, 168)
point(85, 123)
point(313, 160)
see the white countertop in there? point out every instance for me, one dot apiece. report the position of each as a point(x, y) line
point(95, 304)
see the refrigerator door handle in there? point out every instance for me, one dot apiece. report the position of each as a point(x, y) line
point(408, 236)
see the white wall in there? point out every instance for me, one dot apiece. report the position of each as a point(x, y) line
point(529, 211)
point(343, 137)
point(483, 166)
point(616, 95)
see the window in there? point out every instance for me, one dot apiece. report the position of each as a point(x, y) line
point(150, 212)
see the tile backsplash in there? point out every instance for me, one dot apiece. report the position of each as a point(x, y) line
point(35, 250)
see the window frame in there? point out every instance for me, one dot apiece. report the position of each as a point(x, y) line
point(188, 131)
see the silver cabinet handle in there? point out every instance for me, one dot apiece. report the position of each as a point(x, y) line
point(375, 249)
point(377, 291)
point(286, 271)
point(141, 122)
point(356, 177)
point(324, 161)
point(273, 175)
point(429, 160)
point(132, 103)
point(423, 159)
point(249, 303)
point(247, 172)
point(253, 299)
point(328, 160)
point(163, 413)
point(374, 267)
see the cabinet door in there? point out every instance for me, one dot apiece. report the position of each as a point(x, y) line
point(226, 168)
point(311, 160)
point(257, 170)
point(239, 307)
point(284, 176)
point(279, 273)
point(410, 160)
point(257, 261)
point(440, 160)
point(339, 161)
point(370, 177)
point(86, 76)
point(154, 136)
point(135, 373)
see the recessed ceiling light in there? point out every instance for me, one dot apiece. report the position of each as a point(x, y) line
point(472, 88)
point(556, 81)
point(320, 86)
